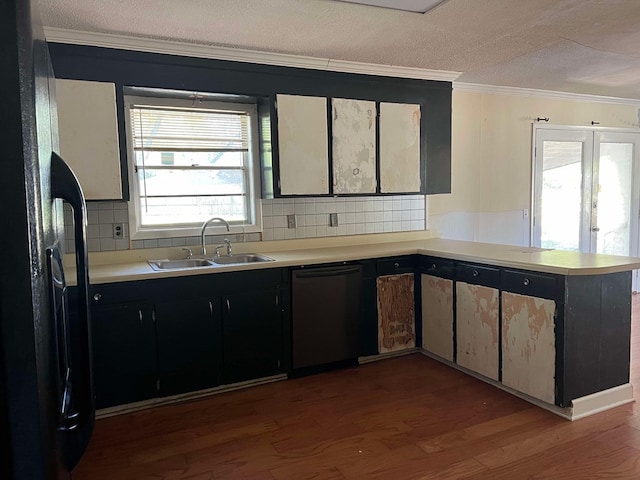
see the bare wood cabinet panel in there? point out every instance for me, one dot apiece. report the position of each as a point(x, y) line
point(437, 316)
point(88, 128)
point(528, 345)
point(477, 322)
point(399, 148)
point(303, 145)
point(396, 313)
point(354, 146)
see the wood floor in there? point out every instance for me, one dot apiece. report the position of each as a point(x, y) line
point(404, 418)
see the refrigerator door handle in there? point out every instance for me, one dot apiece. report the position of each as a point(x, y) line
point(78, 404)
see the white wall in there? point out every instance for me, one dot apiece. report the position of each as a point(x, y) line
point(491, 161)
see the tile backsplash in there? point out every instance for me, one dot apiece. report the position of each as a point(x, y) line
point(355, 215)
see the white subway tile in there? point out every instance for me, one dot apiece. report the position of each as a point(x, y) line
point(106, 230)
point(122, 244)
point(164, 242)
point(417, 225)
point(417, 214)
point(378, 216)
point(360, 228)
point(406, 215)
point(120, 206)
point(361, 206)
point(321, 231)
point(289, 209)
point(278, 233)
point(350, 206)
point(107, 244)
point(406, 225)
point(351, 228)
point(120, 216)
point(310, 231)
point(175, 242)
point(339, 207)
point(267, 222)
point(289, 233)
point(387, 227)
point(417, 204)
point(93, 244)
point(406, 203)
point(267, 209)
point(397, 226)
point(397, 215)
point(277, 210)
point(321, 207)
point(387, 216)
point(369, 227)
point(93, 231)
point(397, 203)
point(310, 208)
point(300, 209)
point(349, 218)
point(267, 234)
point(105, 216)
point(279, 222)
point(370, 217)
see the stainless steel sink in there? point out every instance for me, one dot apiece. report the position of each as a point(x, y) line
point(242, 258)
point(177, 264)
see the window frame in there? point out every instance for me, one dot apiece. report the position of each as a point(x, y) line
point(252, 167)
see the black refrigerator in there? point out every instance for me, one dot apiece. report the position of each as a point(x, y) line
point(46, 401)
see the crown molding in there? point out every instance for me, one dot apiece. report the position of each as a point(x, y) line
point(548, 94)
point(170, 47)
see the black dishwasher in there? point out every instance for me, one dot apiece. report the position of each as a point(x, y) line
point(326, 307)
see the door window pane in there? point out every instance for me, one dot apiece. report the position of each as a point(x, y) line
point(614, 198)
point(561, 202)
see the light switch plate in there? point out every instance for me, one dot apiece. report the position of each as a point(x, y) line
point(333, 219)
point(291, 221)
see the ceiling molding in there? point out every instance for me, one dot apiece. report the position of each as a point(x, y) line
point(549, 94)
point(123, 42)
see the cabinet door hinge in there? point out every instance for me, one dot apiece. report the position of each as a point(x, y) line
point(158, 385)
point(277, 300)
point(153, 316)
point(278, 364)
point(140, 316)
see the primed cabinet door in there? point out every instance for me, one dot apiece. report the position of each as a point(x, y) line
point(528, 345)
point(303, 145)
point(477, 317)
point(354, 146)
point(399, 148)
point(396, 313)
point(88, 129)
point(437, 316)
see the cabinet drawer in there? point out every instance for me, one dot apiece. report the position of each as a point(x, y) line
point(478, 274)
point(437, 267)
point(391, 266)
point(532, 284)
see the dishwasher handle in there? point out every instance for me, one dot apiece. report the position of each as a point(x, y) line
point(328, 272)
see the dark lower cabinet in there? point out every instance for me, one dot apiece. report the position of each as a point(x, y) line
point(251, 335)
point(124, 353)
point(189, 345)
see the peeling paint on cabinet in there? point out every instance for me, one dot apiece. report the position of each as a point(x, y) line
point(302, 145)
point(528, 345)
point(396, 313)
point(477, 317)
point(354, 146)
point(399, 148)
point(437, 316)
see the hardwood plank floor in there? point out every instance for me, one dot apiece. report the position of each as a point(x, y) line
point(403, 418)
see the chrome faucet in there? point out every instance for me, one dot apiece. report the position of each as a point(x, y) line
point(204, 227)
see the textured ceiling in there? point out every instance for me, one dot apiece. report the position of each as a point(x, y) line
point(581, 46)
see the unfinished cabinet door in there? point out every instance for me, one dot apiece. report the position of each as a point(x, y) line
point(528, 345)
point(437, 316)
point(88, 128)
point(477, 317)
point(354, 146)
point(303, 145)
point(399, 148)
point(396, 313)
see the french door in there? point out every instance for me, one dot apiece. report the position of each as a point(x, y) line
point(586, 190)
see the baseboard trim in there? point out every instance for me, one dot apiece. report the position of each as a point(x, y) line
point(581, 407)
point(185, 397)
point(601, 401)
point(384, 356)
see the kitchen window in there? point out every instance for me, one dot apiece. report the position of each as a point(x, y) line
point(191, 159)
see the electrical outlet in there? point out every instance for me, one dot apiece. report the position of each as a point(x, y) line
point(118, 231)
point(333, 219)
point(291, 221)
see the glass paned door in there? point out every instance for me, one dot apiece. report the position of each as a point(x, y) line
point(586, 191)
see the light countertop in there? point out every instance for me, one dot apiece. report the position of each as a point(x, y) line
point(526, 258)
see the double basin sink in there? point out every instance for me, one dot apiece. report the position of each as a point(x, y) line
point(209, 262)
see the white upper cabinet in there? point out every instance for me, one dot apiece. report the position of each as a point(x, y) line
point(354, 146)
point(88, 129)
point(399, 148)
point(303, 145)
